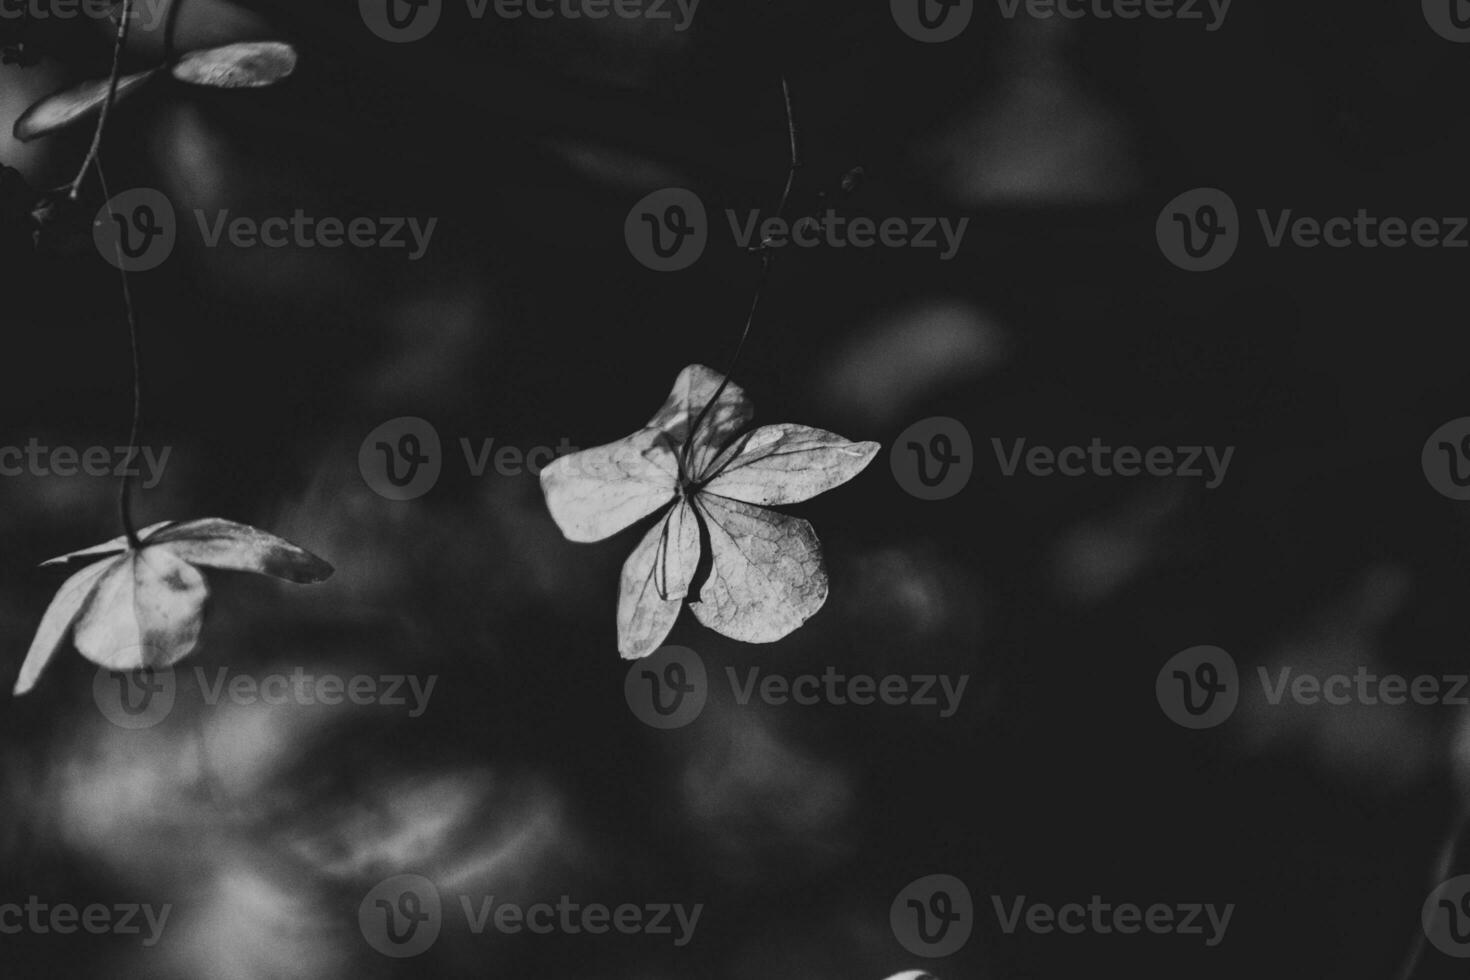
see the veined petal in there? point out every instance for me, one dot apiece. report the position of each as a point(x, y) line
point(766, 577)
point(692, 391)
point(216, 543)
point(63, 611)
point(656, 580)
point(146, 612)
point(786, 464)
point(114, 547)
point(595, 493)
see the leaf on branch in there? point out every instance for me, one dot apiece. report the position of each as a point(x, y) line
point(766, 573)
point(72, 105)
point(144, 607)
point(250, 64)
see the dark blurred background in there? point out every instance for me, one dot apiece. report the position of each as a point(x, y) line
point(528, 321)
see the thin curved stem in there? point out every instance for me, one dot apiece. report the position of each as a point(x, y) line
point(117, 52)
point(767, 260)
point(124, 493)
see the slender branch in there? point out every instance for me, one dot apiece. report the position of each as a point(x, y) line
point(768, 259)
point(117, 53)
point(124, 493)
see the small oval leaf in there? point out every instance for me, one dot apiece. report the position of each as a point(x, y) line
point(61, 109)
point(251, 64)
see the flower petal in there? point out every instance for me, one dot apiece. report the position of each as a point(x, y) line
point(692, 390)
point(767, 576)
point(146, 612)
point(72, 105)
point(62, 612)
point(655, 581)
point(212, 542)
point(786, 464)
point(114, 547)
point(595, 493)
